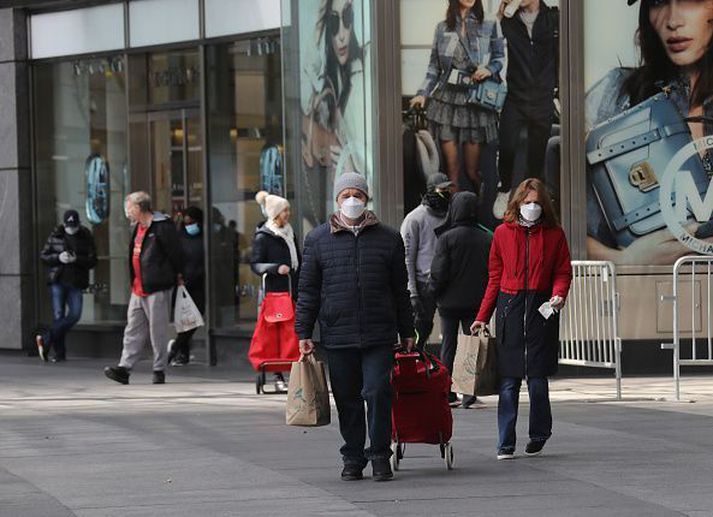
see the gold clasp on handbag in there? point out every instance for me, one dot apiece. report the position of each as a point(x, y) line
point(643, 177)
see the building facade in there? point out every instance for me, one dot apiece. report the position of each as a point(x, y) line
point(206, 102)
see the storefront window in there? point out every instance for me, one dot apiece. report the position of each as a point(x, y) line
point(81, 163)
point(244, 98)
point(482, 105)
point(329, 116)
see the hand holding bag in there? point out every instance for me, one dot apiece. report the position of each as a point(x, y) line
point(489, 94)
point(186, 315)
point(475, 368)
point(308, 395)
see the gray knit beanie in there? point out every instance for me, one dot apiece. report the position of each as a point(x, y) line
point(350, 180)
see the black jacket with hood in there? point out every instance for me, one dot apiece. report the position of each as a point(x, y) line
point(161, 256)
point(82, 245)
point(459, 272)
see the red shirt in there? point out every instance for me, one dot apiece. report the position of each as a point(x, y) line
point(549, 268)
point(138, 288)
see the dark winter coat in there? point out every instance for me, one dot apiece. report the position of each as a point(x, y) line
point(532, 63)
point(535, 261)
point(355, 285)
point(459, 272)
point(193, 253)
point(82, 245)
point(161, 257)
point(269, 252)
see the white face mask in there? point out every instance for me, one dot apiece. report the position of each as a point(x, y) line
point(352, 208)
point(531, 212)
point(71, 230)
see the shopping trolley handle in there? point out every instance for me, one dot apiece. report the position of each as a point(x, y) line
point(289, 281)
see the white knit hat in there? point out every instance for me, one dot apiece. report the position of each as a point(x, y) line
point(274, 205)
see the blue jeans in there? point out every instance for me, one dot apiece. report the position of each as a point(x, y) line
point(66, 311)
point(358, 376)
point(540, 411)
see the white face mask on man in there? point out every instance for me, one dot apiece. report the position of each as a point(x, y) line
point(531, 212)
point(352, 208)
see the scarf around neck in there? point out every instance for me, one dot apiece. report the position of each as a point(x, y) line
point(288, 235)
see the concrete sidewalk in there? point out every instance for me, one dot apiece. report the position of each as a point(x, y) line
point(73, 443)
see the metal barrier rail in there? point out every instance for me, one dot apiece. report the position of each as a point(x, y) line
point(589, 324)
point(699, 269)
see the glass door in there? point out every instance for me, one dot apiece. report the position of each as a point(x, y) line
point(176, 160)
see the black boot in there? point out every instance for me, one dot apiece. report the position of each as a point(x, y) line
point(159, 377)
point(352, 473)
point(117, 373)
point(381, 470)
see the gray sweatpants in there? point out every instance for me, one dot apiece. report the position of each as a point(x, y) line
point(147, 320)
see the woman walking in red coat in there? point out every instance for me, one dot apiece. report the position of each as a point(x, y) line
point(529, 266)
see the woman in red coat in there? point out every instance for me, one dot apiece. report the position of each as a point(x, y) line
point(529, 266)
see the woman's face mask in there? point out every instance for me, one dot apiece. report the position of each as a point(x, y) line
point(531, 212)
point(192, 229)
point(352, 208)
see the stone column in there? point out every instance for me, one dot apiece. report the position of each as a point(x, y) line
point(17, 261)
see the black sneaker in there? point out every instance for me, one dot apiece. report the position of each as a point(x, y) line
point(506, 454)
point(117, 373)
point(41, 348)
point(534, 448)
point(468, 402)
point(180, 360)
point(159, 377)
point(352, 473)
point(453, 399)
point(381, 470)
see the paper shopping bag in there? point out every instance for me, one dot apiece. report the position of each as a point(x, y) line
point(307, 395)
point(475, 368)
point(186, 315)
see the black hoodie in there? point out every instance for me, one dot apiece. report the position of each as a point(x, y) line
point(459, 273)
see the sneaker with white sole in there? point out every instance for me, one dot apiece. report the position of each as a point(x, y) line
point(501, 204)
point(41, 347)
point(505, 454)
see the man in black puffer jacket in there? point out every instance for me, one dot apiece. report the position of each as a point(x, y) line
point(354, 281)
point(70, 254)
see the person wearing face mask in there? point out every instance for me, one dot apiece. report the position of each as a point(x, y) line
point(275, 253)
point(459, 274)
point(529, 267)
point(354, 281)
point(155, 268)
point(69, 253)
point(418, 233)
point(191, 241)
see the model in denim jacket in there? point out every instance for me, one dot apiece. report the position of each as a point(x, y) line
point(465, 28)
point(676, 43)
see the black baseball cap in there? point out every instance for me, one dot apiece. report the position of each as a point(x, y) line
point(71, 218)
point(438, 180)
point(631, 2)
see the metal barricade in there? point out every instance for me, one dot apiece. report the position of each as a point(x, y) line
point(692, 273)
point(589, 324)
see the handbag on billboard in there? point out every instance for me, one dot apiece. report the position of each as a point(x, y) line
point(489, 93)
point(626, 158)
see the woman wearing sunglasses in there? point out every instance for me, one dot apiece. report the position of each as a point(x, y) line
point(467, 48)
point(675, 38)
point(333, 133)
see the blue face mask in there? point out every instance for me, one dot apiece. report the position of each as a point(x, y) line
point(193, 229)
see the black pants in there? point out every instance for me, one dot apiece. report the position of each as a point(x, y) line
point(357, 376)
point(182, 346)
point(423, 321)
point(449, 329)
point(538, 121)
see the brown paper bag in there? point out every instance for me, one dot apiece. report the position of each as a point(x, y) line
point(307, 395)
point(475, 368)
